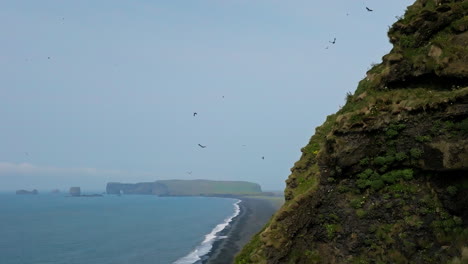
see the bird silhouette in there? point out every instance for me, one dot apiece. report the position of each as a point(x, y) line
point(368, 9)
point(333, 42)
point(48, 58)
point(195, 113)
point(263, 157)
point(201, 146)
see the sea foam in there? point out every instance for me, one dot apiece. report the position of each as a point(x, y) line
point(207, 244)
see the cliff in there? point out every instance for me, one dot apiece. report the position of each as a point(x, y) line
point(186, 188)
point(385, 179)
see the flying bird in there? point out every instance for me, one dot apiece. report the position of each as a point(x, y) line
point(48, 58)
point(189, 172)
point(263, 157)
point(368, 9)
point(195, 113)
point(333, 42)
point(201, 146)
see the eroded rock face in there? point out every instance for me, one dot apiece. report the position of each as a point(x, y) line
point(385, 179)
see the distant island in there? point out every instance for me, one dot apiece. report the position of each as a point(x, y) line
point(188, 188)
point(22, 192)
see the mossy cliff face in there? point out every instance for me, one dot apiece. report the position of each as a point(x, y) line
point(385, 179)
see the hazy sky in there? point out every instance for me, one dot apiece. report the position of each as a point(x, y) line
point(97, 91)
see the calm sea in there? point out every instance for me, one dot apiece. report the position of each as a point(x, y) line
point(55, 229)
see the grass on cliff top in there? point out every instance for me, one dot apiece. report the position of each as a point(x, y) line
point(206, 187)
point(366, 103)
point(373, 103)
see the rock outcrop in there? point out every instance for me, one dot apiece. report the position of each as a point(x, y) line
point(385, 179)
point(21, 192)
point(75, 191)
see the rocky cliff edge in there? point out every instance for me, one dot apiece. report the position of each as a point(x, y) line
point(385, 179)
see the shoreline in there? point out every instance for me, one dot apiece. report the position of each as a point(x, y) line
point(254, 214)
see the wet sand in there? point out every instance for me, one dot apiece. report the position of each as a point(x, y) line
point(254, 214)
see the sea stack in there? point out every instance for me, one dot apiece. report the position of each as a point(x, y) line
point(75, 191)
point(20, 192)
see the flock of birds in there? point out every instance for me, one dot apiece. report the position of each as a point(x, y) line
point(204, 146)
point(263, 157)
point(334, 39)
point(195, 113)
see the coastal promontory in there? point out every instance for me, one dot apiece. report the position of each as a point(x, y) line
point(186, 188)
point(385, 179)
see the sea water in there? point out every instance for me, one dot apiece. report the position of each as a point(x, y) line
point(56, 229)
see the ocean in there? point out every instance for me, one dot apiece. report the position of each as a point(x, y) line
point(55, 229)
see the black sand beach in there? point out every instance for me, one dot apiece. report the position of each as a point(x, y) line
point(254, 214)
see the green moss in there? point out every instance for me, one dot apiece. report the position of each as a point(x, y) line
point(463, 126)
point(377, 184)
point(313, 256)
point(332, 229)
point(401, 156)
point(422, 139)
point(364, 161)
point(306, 183)
point(391, 133)
point(244, 256)
point(318, 139)
point(460, 24)
point(416, 153)
point(360, 260)
point(357, 202)
point(452, 190)
point(361, 213)
point(384, 160)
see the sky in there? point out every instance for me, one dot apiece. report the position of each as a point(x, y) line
point(99, 91)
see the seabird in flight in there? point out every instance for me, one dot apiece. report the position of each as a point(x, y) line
point(368, 9)
point(201, 146)
point(333, 42)
point(195, 113)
